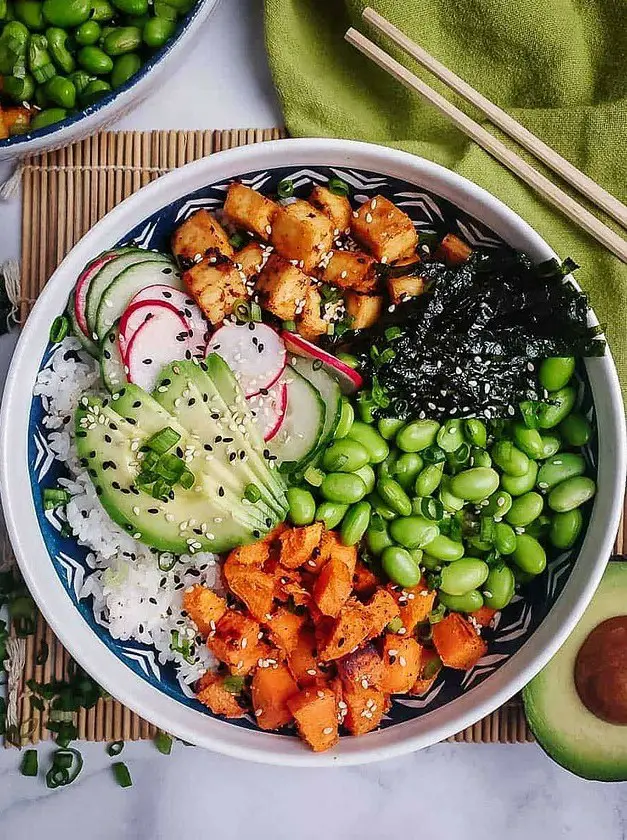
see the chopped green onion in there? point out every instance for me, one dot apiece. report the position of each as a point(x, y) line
point(349, 360)
point(237, 240)
point(392, 333)
point(529, 410)
point(433, 454)
point(55, 497)
point(233, 685)
point(290, 326)
point(329, 294)
point(161, 489)
point(61, 715)
point(170, 467)
point(187, 479)
point(379, 393)
point(433, 581)
point(313, 476)
point(163, 440)
point(252, 493)
point(431, 508)
point(460, 456)
point(59, 329)
point(285, 188)
point(338, 187)
point(115, 748)
point(66, 767)
point(436, 615)
point(163, 742)
point(122, 775)
point(30, 763)
point(486, 531)
point(395, 625)
point(66, 734)
point(184, 647)
point(150, 460)
point(166, 561)
point(255, 312)
point(241, 309)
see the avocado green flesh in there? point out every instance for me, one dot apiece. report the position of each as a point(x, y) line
point(152, 521)
point(574, 737)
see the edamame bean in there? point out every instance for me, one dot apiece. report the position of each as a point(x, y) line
point(95, 61)
point(509, 458)
point(393, 495)
point(450, 501)
point(558, 406)
point(416, 436)
point(157, 32)
point(369, 438)
point(355, 523)
point(476, 433)
point(345, 455)
point(499, 586)
point(571, 494)
point(66, 13)
point(366, 473)
point(406, 468)
point(57, 45)
point(413, 531)
point(380, 507)
point(94, 91)
point(558, 468)
point(467, 603)
point(554, 373)
point(575, 429)
point(450, 436)
point(428, 479)
point(539, 528)
point(378, 538)
point(29, 13)
point(529, 555)
point(463, 575)
point(347, 412)
point(498, 505)
point(365, 407)
point(504, 538)
point(445, 549)
point(19, 89)
point(525, 509)
point(400, 567)
point(389, 426)
point(123, 39)
point(431, 564)
point(101, 10)
point(61, 91)
point(87, 33)
point(124, 67)
point(331, 513)
point(517, 485)
point(47, 117)
point(528, 440)
point(386, 468)
point(302, 506)
point(565, 528)
point(551, 444)
point(132, 7)
point(480, 457)
point(346, 488)
point(80, 79)
point(475, 484)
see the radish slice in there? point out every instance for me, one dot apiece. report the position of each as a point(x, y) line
point(82, 287)
point(254, 352)
point(269, 409)
point(136, 315)
point(187, 309)
point(349, 380)
point(154, 345)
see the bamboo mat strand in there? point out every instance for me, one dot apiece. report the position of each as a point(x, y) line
point(64, 194)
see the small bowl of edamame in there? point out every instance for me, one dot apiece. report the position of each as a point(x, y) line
point(70, 67)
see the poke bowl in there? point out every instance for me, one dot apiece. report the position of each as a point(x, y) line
point(312, 438)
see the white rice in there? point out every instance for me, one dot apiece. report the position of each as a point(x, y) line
point(132, 597)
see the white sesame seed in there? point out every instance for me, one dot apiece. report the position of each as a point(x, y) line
point(327, 730)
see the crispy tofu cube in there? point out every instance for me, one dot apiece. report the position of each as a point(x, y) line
point(213, 693)
point(198, 234)
point(336, 207)
point(298, 544)
point(365, 310)
point(302, 233)
point(250, 258)
point(204, 607)
point(401, 663)
point(401, 289)
point(384, 230)
point(282, 286)
point(248, 209)
point(315, 713)
point(310, 324)
point(271, 689)
point(453, 250)
point(215, 286)
point(236, 642)
point(351, 270)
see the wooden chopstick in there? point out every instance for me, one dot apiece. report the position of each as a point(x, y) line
point(552, 193)
point(577, 179)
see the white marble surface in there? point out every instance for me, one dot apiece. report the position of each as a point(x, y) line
point(446, 792)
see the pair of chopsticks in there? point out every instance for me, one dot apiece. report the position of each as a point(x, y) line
point(542, 185)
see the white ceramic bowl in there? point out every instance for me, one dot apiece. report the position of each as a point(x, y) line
point(119, 101)
point(99, 659)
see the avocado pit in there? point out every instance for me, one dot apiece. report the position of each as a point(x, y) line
point(601, 671)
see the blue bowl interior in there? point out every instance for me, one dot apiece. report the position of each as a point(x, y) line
point(429, 213)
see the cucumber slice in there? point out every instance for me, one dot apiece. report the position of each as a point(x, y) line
point(111, 364)
point(303, 426)
point(128, 283)
point(327, 387)
point(77, 332)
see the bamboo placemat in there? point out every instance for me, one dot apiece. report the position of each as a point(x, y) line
point(64, 194)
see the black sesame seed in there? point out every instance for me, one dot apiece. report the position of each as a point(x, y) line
point(146, 361)
point(106, 354)
point(220, 491)
point(137, 404)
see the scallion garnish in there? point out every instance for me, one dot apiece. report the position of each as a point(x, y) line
point(285, 188)
point(30, 763)
point(237, 240)
point(313, 476)
point(233, 685)
point(163, 440)
point(182, 646)
point(393, 332)
point(187, 479)
point(395, 625)
point(432, 667)
point(433, 454)
point(163, 742)
point(338, 187)
point(59, 329)
point(66, 767)
point(431, 508)
point(437, 614)
point(252, 493)
point(166, 561)
point(290, 326)
point(54, 497)
point(150, 460)
point(169, 467)
point(486, 529)
point(161, 488)
point(115, 748)
point(255, 312)
point(121, 774)
point(529, 410)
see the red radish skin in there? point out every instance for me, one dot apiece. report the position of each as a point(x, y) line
point(154, 345)
point(137, 314)
point(82, 287)
point(254, 351)
point(348, 379)
point(186, 307)
point(269, 409)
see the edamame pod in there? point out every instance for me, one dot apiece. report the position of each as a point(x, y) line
point(528, 440)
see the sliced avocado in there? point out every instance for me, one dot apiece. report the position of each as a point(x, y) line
point(564, 727)
point(191, 521)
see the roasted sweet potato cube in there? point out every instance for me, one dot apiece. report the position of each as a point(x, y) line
point(282, 287)
point(351, 270)
point(453, 250)
point(248, 209)
point(335, 207)
point(362, 667)
point(364, 708)
point(255, 554)
point(430, 667)
point(364, 580)
point(333, 586)
point(384, 230)
point(415, 604)
point(298, 544)
point(457, 642)
point(213, 693)
point(302, 233)
point(252, 586)
point(290, 587)
point(332, 546)
point(301, 660)
point(198, 234)
point(315, 713)
point(364, 310)
point(401, 289)
point(271, 689)
point(484, 616)
point(204, 607)
point(380, 610)
point(14, 120)
point(236, 642)
point(349, 630)
point(310, 323)
point(401, 663)
point(250, 259)
point(284, 628)
point(216, 286)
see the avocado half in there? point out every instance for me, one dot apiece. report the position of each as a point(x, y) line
point(563, 726)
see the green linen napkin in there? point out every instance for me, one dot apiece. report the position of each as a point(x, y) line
point(559, 67)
